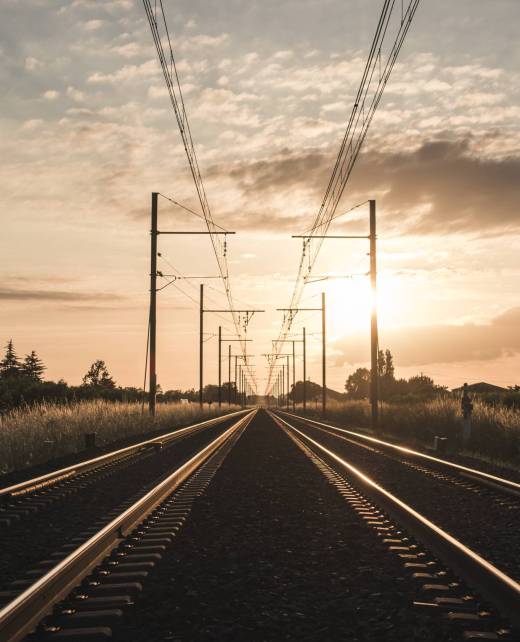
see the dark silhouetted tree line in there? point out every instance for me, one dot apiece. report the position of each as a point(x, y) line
point(418, 387)
point(21, 382)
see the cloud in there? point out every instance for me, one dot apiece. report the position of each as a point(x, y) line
point(93, 25)
point(51, 94)
point(31, 64)
point(424, 345)
point(204, 40)
point(15, 294)
point(147, 69)
point(75, 94)
point(454, 187)
point(442, 186)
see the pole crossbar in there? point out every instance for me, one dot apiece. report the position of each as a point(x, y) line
point(210, 233)
point(329, 236)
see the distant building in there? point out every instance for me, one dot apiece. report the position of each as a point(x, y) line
point(480, 387)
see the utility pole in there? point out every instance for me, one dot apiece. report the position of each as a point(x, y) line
point(293, 375)
point(288, 384)
point(153, 307)
point(229, 375)
point(248, 316)
point(323, 358)
point(219, 366)
point(236, 383)
point(153, 298)
point(304, 373)
point(292, 312)
point(201, 343)
point(374, 342)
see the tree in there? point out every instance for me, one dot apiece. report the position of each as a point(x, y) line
point(358, 384)
point(423, 385)
point(10, 366)
point(386, 370)
point(98, 376)
point(33, 367)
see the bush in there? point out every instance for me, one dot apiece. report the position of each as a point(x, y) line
point(35, 434)
point(495, 428)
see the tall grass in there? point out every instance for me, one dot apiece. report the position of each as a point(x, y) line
point(35, 434)
point(495, 429)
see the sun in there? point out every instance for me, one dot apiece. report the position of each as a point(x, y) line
point(350, 301)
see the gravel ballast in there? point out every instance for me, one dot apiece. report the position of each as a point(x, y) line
point(486, 521)
point(37, 536)
point(271, 551)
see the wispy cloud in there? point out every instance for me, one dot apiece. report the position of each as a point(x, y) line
point(16, 294)
point(424, 345)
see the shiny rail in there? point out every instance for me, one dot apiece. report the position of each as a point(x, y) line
point(493, 481)
point(47, 480)
point(19, 617)
point(498, 588)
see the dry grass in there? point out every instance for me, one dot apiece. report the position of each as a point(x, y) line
point(495, 429)
point(33, 435)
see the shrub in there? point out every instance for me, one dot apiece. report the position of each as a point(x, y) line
point(495, 428)
point(37, 433)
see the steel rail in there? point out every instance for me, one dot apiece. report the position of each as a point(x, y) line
point(493, 481)
point(498, 588)
point(55, 476)
point(20, 616)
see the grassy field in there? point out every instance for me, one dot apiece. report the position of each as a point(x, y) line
point(495, 429)
point(33, 435)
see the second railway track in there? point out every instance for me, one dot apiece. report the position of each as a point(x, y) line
point(407, 529)
point(41, 515)
point(485, 517)
point(119, 552)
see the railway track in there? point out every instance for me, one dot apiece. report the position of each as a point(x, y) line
point(268, 493)
point(480, 509)
point(19, 499)
point(447, 470)
point(99, 577)
point(65, 503)
point(441, 563)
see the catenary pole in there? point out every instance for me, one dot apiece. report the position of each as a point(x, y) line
point(219, 366)
point(304, 372)
point(201, 343)
point(293, 375)
point(229, 374)
point(374, 342)
point(153, 306)
point(323, 357)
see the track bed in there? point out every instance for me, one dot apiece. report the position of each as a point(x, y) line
point(271, 551)
point(43, 534)
point(484, 520)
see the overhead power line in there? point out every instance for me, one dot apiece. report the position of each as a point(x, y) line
point(373, 82)
point(161, 37)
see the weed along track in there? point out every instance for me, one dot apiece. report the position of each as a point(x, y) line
point(40, 516)
point(261, 534)
point(481, 510)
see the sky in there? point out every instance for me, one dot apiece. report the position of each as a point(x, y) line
point(87, 133)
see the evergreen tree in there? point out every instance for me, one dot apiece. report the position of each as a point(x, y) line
point(389, 365)
point(33, 367)
point(9, 366)
point(98, 376)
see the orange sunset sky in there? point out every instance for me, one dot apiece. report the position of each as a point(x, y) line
point(87, 133)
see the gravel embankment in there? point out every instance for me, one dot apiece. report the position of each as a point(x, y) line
point(271, 551)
